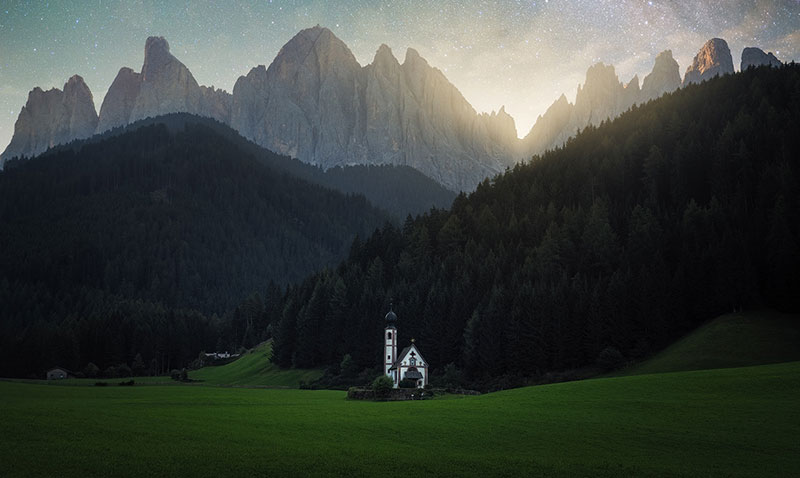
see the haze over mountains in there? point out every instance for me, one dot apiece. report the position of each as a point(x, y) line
point(315, 102)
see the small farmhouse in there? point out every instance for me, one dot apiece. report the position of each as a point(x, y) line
point(57, 374)
point(409, 363)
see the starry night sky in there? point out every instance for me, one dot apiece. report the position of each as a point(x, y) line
point(521, 54)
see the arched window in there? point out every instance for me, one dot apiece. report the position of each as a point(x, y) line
point(389, 335)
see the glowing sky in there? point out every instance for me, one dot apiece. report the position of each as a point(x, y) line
point(521, 54)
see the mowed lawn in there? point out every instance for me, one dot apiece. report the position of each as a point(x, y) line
point(726, 422)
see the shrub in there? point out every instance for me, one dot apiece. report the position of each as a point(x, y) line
point(382, 386)
point(91, 370)
point(123, 371)
point(175, 374)
point(407, 383)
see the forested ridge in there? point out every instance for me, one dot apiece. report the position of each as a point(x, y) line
point(399, 190)
point(629, 236)
point(130, 245)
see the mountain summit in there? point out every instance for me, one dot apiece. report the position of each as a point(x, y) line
point(53, 117)
point(714, 59)
point(752, 56)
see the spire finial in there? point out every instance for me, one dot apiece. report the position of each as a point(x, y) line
point(412, 341)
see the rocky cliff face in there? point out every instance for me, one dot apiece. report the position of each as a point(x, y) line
point(714, 59)
point(752, 57)
point(164, 86)
point(600, 98)
point(120, 100)
point(664, 78)
point(316, 103)
point(53, 117)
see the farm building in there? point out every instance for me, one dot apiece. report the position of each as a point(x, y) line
point(408, 364)
point(57, 374)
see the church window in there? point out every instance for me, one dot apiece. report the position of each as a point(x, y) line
point(388, 335)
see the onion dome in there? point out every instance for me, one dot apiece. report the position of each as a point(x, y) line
point(391, 317)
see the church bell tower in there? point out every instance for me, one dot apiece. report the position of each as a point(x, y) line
point(390, 345)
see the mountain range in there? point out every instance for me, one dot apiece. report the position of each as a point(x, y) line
point(316, 103)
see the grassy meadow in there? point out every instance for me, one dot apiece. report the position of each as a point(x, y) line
point(731, 340)
point(724, 422)
point(254, 369)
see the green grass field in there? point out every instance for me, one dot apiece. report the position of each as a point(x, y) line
point(733, 340)
point(254, 369)
point(726, 422)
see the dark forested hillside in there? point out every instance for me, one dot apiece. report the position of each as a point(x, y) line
point(156, 220)
point(632, 234)
point(399, 190)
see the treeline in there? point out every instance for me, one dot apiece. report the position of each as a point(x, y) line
point(615, 245)
point(153, 223)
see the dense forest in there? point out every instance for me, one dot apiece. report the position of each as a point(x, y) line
point(614, 245)
point(112, 245)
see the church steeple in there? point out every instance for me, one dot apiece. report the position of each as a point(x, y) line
point(390, 344)
point(391, 317)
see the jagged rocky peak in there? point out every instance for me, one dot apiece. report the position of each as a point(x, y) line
point(52, 117)
point(79, 106)
point(316, 49)
point(384, 58)
point(601, 96)
point(714, 59)
point(664, 78)
point(156, 57)
point(500, 126)
point(167, 85)
point(752, 57)
point(120, 99)
point(551, 129)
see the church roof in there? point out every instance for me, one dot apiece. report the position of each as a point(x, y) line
point(413, 374)
point(403, 354)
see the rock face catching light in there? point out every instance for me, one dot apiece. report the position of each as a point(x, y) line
point(53, 117)
point(601, 97)
point(714, 59)
point(752, 57)
point(315, 102)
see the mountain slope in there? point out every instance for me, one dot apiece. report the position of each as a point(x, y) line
point(629, 237)
point(399, 190)
point(185, 218)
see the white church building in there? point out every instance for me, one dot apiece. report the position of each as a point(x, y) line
point(408, 364)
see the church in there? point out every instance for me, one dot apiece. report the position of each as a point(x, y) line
point(408, 364)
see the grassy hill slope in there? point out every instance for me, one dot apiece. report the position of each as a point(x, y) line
point(726, 422)
point(732, 340)
point(255, 369)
